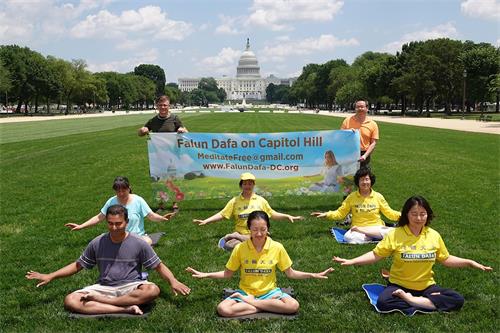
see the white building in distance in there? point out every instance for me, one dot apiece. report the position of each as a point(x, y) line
point(248, 83)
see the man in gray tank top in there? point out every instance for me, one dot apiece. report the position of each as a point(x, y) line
point(120, 257)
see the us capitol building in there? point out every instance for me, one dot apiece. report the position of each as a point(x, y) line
point(248, 83)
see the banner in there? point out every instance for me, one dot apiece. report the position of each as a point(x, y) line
point(208, 165)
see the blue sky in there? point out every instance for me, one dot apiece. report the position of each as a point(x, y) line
point(192, 38)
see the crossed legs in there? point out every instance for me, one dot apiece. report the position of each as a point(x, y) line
point(96, 303)
point(432, 298)
point(251, 305)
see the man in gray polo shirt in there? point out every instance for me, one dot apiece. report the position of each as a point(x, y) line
point(119, 256)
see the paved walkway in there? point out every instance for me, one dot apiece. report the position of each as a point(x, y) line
point(452, 124)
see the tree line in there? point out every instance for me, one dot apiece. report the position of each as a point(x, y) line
point(425, 75)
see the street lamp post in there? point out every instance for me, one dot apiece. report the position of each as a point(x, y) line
point(464, 75)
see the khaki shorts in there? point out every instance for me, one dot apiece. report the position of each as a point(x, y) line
point(112, 291)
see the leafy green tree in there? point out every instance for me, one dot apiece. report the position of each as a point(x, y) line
point(221, 95)
point(5, 81)
point(207, 92)
point(482, 62)
point(16, 60)
point(304, 88)
point(350, 92)
point(197, 97)
point(154, 73)
point(271, 93)
point(113, 87)
point(173, 92)
point(446, 69)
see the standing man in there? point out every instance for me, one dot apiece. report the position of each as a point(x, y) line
point(368, 131)
point(164, 121)
point(119, 256)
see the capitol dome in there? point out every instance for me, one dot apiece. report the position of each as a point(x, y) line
point(248, 66)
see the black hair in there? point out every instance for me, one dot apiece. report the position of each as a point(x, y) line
point(258, 215)
point(121, 183)
point(241, 181)
point(362, 172)
point(362, 100)
point(412, 201)
point(117, 210)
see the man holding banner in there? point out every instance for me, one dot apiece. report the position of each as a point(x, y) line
point(368, 131)
point(164, 121)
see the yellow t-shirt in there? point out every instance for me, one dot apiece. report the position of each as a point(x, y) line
point(412, 256)
point(368, 130)
point(238, 208)
point(258, 270)
point(365, 211)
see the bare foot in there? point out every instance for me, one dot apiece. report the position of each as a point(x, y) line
point(385, 273)
point(94, 297)
point(243, 298)
point(134, 309)
point(401, 294)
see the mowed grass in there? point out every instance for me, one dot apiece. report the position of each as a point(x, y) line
point(57, 176)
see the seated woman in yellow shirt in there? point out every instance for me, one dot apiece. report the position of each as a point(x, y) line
point(257, 259)
point(414, 248)
point(238, 209)
point(365, 205)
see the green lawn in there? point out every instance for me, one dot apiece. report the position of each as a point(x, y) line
point(56, 172)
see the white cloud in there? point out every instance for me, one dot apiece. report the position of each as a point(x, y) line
point(11, 30)
point(223, 63)
point(447, 30)
point(129, 44)
point(148, 20)
point(228, 25)
point(295, 74)
point(283, 38)
point(305, 46)
point(279, 14)
point(124, 65)
point(482, 9)
point(40, 19)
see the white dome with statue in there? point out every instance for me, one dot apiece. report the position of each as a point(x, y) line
point(248, 66)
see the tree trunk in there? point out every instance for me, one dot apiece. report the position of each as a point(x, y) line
point(36, 103)
point(403, 105)
point(497, 108)
point(19, 104)
point(67, 106)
